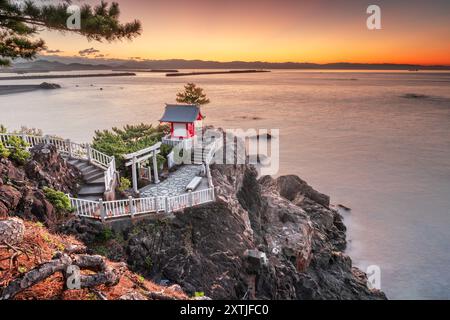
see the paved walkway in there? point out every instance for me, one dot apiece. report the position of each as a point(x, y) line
point(175, 184)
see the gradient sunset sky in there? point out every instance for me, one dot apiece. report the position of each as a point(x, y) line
point(319, 31)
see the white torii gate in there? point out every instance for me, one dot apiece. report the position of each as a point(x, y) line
point(138, 157)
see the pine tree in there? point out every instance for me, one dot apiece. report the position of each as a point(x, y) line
point(192, 95)
point(21, 21)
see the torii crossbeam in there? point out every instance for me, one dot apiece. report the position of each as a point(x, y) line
point(140, 156)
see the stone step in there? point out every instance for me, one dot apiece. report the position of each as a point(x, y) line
point(92, 198)
point(97, 180)
point(83, 164)
point(76, 162)
point(89, 169)
point(88, 190)
point(94, 176)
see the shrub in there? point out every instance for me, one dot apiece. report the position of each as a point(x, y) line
point(125, 184)
point(129, 139)
point(105, 235)
point(18, 150)
point(58, 199)
point(4, 152)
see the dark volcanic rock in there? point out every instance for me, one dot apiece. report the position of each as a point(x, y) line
point(21, 186)
point(49, 86)
point(272, 239)
point(292, 187)
point(48, 169)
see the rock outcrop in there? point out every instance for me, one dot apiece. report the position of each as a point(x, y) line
point(265, 239)
point(21, 191)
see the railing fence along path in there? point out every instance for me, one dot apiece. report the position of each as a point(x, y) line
point(72, 150)
point(130, 207)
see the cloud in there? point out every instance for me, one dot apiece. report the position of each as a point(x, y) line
point(100, 56)
point(88, 52)
point(53, 51)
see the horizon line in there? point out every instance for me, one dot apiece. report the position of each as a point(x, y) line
point(235, 61)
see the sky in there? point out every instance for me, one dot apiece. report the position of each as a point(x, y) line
point(319, 31)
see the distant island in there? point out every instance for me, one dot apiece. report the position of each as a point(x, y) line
point(56, 63)
point(10, 89)
point(63, 76)
point(149, 70)
point(180, 74)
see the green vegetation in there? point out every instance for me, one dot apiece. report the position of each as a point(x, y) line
point(58, 199)
point(129, 139)
point(125, 184)
point(4, 152)
point(106, 235)
point(148, 263)
point(18, 150)
point(21, 21)
point(141, 279)
point(192, 95)
point(199, 294)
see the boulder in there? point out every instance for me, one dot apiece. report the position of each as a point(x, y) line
point(21, 191)
point(291, 187)
point(48, 169)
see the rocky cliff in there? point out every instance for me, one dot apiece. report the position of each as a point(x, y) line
point(264, 239)
point(21, 186)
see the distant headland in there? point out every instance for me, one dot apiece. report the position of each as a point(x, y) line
point(56, 63)
point(63, 76)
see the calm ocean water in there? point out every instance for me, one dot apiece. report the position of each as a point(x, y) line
point(352, 135)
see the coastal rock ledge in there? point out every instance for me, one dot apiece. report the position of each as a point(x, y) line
point(263, 239)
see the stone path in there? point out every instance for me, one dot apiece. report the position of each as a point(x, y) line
point(175, 184)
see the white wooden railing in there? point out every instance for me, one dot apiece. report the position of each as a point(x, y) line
point(130, 207)
point(181, 143)
point(106, 210)
point(72, 150)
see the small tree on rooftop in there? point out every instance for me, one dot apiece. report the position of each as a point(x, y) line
point(21, 21)
point(192, 95)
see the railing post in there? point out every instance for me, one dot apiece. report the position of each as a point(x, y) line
point(69, 148)
point(24, 138)
point(102, 210)
point(167, 205)
point(47, 139)
point(156, 204)
point(191, 198)
point(88, 151)
point(132, 209)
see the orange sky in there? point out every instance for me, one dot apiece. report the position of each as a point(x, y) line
point(317, 31)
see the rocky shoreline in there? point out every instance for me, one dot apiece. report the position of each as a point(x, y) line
point(262, 239)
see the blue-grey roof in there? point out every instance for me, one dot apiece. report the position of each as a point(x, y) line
point(180, 113)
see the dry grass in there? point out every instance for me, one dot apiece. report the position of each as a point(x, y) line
point(40, 246)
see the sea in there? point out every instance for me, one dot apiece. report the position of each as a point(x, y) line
point(377, 142)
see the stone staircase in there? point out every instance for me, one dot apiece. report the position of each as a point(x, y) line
point(94, 180)
point(197, 155)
